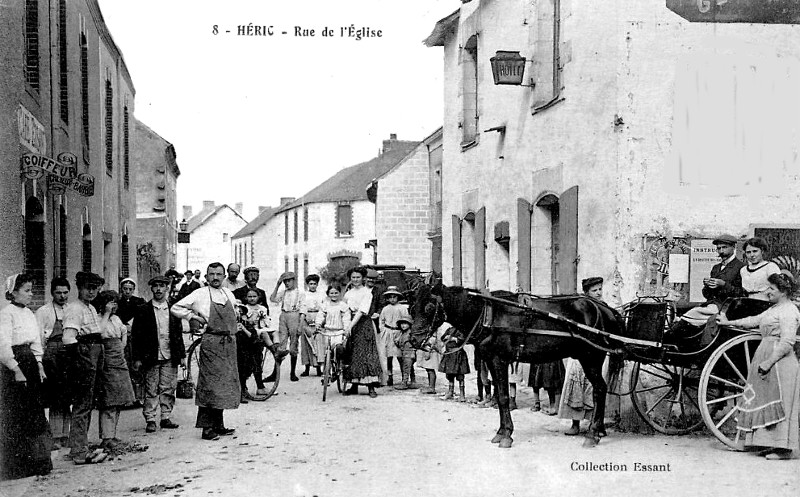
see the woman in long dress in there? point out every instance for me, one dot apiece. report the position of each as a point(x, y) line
point(25, 439)
point(757, 270)
point(365, 366)
point(770, 403)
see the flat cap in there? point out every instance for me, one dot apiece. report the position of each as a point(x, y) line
point(288, 275)
point(251, 269)
point(159, 279)
point(726, 239)
point(371, 273)
point(83, 278)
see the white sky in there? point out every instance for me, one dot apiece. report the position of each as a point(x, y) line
point(255, 118)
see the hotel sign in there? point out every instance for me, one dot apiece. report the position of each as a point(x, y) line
point(62, 173)
point(750, 11)
point(31, 131)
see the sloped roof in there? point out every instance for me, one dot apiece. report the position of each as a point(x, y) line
point(256, 223)
point(204, 215)
point(351, 183)
point(443, 28)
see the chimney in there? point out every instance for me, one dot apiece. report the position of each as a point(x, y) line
point(286, 200)
point(187, 212)
point(208, 204)
point(388, 144)
point(239, 207)
point(262, 208)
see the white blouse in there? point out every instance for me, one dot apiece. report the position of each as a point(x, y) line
point(18, 326)
point(359, 299)
point(755, 283)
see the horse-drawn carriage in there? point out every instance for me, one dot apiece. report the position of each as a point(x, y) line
point(677, 383)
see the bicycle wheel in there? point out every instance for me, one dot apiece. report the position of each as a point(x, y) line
point(326, 374)
point(271, 374)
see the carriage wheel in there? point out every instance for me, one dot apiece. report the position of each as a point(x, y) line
point(268, 366)
point(665, 397)
point(722, 383)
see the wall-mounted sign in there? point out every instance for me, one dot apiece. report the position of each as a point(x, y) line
point(31, 131)
point(507, 68)
point(753, 11)
point(703, 258)
point(62, 173)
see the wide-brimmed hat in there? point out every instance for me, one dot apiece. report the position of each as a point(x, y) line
point(726, 239)
point(392, 290)
point(85, 278)
point(288, 275)
point(404, 317)
point(159, 279)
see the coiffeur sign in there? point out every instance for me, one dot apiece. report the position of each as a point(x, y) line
point(62, 173)
point(754, 11)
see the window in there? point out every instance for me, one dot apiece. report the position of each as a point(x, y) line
point(31, 66)
point(469, 92)
point(109, 127)
point(305, 224)
point(85, 97)
point(295, 227)
point(126, 159)
point(286, 229)
point(63, 81)
point(125, 258)
point(244, 250)
point(62, 239)
point(285, 263)
point(86, 256)
point(344, 220)
point(296, 264)
point(305, 266)
point(224, 238)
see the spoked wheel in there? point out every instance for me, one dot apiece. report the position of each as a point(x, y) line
point(326, 374)
point(192, 364)
point(337, 373)
point(722, 383)
point(665, 397)
point(271, 373)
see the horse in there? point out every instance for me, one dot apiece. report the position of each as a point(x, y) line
point(505, 331)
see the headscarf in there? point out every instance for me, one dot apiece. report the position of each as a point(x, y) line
point(11, 282)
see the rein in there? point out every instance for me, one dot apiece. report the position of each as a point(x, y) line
point(469, 335)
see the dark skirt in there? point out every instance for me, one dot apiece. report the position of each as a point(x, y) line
point(56, 388)
point(455, 363)
point(365, 364)
point(549, 376)
point(116, 389)
point(25, 438)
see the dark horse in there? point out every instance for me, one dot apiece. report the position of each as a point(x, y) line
point(503, 331)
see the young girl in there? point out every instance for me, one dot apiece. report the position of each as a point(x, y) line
point(256, 323)
point(24, 432)
point(428, 357)
point(116, 388)
point(333, 317)
point(402, 341)
point(454, 363)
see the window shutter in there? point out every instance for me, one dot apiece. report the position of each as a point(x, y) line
point(523, 244)
point(456, 251)
point(568, 233)
point(480, 248)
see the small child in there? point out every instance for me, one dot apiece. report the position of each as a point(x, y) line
point(407, 353)
point(255, 319)
point(430, 355)
point(549, 376)
point(454, 363)
point(388, 328)
point(333, 317)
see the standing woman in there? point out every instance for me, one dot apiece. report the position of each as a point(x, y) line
point(757, 270)
point(24, 431)
point(116, 389)
point(365, 365)
point(768, 411)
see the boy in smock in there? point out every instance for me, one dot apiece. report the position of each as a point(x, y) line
point(389, 329)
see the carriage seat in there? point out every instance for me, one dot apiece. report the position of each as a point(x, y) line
point(646, 320)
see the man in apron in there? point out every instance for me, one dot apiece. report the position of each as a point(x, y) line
point(55, 361)
point(218, 385)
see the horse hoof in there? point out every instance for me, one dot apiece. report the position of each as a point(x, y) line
point(590, 442)
point(496, 439)
point(506, 443)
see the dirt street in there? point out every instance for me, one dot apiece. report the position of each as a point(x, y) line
point(402, 443)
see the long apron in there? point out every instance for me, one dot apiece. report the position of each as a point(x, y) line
point(218, 384)
point(115, 381)
point(55, 389)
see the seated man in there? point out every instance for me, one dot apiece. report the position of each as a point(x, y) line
point(724, 282)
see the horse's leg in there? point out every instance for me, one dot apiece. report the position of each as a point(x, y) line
point(500, 378)
point(593, 369)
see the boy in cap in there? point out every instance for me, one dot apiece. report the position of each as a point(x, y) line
point(388, 329)
point(157, 349)
point(313, 341)
point(407, 353)
point(82, 334)
point(290, 300)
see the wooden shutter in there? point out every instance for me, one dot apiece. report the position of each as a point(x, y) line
point(456, 251)
point(480, 248)
point(523, 244)
point(568, 233)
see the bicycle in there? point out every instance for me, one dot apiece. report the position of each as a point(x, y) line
point(271, 371)
point(333, 366)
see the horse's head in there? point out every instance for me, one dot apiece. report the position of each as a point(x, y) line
point(428, 314)
point(598, 314)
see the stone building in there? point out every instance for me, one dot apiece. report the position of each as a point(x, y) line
point(335, 219)
point(210, 232)
point(404, 212)
point(66, 101)
point(155, 180)
point(637, 137)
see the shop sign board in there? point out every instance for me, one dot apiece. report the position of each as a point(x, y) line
point(743, 11)
point(62, 173)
